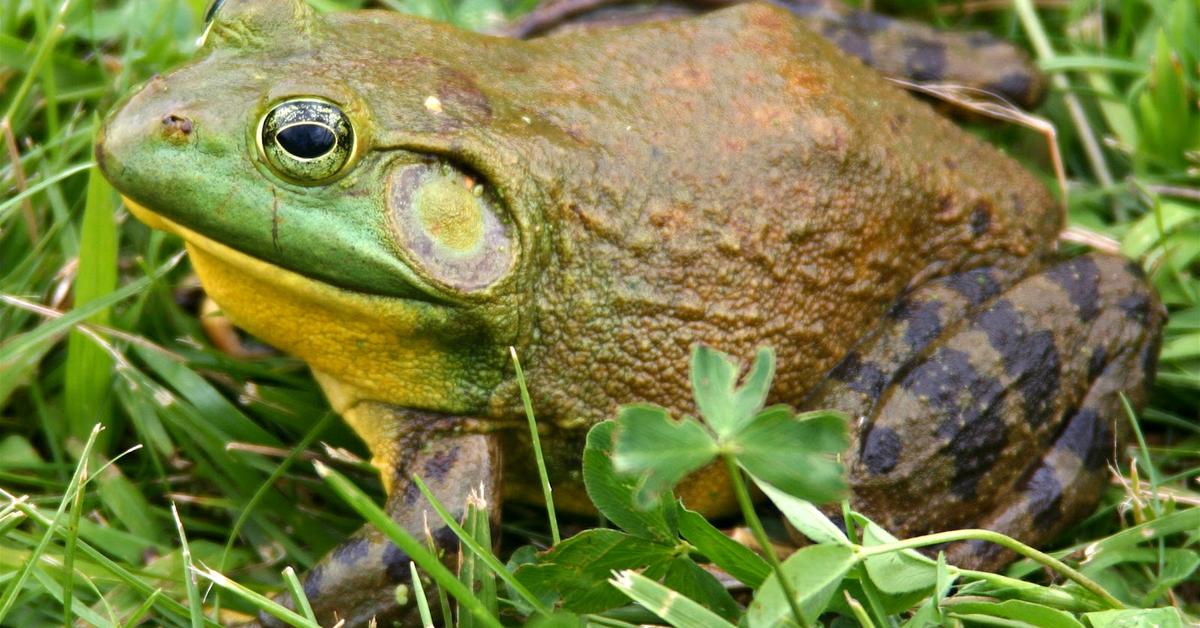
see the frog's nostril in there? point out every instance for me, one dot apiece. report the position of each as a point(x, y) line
point(175, 125)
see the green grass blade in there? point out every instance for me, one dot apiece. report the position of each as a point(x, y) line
point(419, 596)
point(675, 609)
point(485, 554)
point(547, 493)
point(443, 598)
point(10, 520)
point(20, 354)
point(195, 609)
point(69, 551)
point(136, 618)
point(76, 484)
point(15, 200)
point(44, 52)
point(299, 598)
point(120, 573)
point(1036, 32)
point(57, 591)
point(269, 483)
point(89, 367)
point(405, 541)
point(260, 601)
point(481, 579)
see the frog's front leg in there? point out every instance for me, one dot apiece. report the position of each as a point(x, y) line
point(356, 582)
point(986, 405)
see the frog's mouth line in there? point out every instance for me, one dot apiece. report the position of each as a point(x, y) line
point(363, 347)
point(303, 287)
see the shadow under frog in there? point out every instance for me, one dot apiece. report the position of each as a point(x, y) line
point(398, 202)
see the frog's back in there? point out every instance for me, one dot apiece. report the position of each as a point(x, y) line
point(757, 188)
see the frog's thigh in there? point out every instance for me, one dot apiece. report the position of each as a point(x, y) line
point(357, 580)
point(974, 398)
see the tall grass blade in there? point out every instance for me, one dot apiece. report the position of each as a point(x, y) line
point(88, 385)
point(76, 485)
point(195, 609)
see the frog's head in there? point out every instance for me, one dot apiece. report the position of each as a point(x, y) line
point(335, 198)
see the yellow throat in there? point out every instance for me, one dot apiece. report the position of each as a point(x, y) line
point(362, 347)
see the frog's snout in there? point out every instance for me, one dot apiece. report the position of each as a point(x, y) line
point(143, 135)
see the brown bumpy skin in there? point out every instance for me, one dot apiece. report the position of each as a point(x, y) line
point(796, 220)
point(902, 49)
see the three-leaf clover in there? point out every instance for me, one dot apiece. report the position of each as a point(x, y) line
point(795, 453)
point(575, 573)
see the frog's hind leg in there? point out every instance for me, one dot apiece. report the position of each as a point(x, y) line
point(1064, 486)
point(1065, 483)
point(357, 581)
point(985, 405)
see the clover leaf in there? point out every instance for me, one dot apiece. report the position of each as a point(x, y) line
point(658, 450)
point(793, 453)
point(575, 573)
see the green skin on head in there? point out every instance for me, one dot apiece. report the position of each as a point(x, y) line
point(604, 200)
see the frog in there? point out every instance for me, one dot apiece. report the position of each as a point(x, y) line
point(404, 205)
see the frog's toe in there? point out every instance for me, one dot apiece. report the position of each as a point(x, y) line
point(986, 405)
point(357, 582)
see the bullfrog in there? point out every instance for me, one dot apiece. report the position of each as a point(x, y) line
point(399, 202)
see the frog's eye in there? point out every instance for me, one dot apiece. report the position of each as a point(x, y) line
point(450, 226)
point(307, 141)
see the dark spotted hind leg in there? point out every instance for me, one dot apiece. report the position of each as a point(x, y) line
point(357, 581)
point(985, 405)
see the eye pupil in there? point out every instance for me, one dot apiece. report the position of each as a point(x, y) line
point(306, 140)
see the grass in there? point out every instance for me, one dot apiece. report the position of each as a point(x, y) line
point(94, 327)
